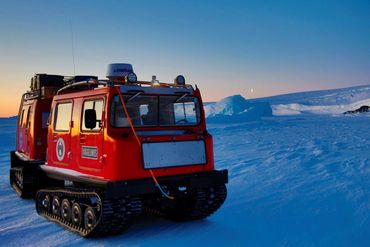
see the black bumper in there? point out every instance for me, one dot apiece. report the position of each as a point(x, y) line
point(17, 160)
point(147, 186)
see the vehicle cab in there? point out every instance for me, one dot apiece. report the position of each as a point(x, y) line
point(119, 130)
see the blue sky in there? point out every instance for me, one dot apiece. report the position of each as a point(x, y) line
point(226, 47)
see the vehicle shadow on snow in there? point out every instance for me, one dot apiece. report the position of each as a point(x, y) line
point(153, 227)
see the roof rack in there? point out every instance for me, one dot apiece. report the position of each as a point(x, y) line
point(90, 83)
point(94, 83)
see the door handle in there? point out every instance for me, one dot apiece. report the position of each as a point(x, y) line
point(82, 139)
point(55, 136)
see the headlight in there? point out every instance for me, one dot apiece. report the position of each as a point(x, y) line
point(131, 77)
point(180, 80)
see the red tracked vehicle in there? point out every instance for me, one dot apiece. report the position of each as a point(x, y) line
point(95, 153)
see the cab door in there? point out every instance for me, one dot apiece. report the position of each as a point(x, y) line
point(23, 130)
point(61, 134)
point(92, 137)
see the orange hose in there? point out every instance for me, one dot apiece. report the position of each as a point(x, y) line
point(139, 142)
point(128, 116)
point(159, 187)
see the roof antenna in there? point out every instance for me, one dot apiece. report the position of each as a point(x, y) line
point(73, 48)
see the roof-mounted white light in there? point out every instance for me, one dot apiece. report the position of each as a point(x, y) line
point(155, 82)
point(180, 80)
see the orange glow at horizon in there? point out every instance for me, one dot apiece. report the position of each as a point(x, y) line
point(12, 86)
point(9, 105)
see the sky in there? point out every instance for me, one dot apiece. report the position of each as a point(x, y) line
point(253, 48)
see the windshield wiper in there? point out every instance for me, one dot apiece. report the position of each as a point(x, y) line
point(181, 97)
point(133, 96)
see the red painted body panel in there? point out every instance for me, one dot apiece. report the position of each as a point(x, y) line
point(32, 128)
point(119, 156)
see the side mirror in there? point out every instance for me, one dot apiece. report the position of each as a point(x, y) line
point(90, 119)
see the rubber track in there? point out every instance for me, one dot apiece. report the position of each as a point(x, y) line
point(202, 203)
point(114, 215)
point(27, 189)
point(207, 202)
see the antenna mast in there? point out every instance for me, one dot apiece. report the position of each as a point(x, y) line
point(73, 49)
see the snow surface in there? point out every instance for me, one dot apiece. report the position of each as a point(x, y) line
point(294, 181)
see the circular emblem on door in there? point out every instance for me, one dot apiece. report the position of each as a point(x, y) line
point(60, 148)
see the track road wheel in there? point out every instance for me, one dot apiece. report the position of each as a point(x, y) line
point(66, 210)
point(76, 214)
point(19, 179)
point(90, 218)
point(46, 203)
point(55, 206)
point(92, 214)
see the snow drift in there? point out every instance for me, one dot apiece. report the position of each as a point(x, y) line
point(236, 109)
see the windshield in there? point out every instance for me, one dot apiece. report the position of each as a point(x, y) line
point(147, 110)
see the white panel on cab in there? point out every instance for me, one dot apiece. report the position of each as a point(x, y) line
point(170, 154)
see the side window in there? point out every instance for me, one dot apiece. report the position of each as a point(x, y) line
point(62, 116)
point(25, 114)
point(97, 105)
point(21, 119)
point(45, 119)
point(29, 116)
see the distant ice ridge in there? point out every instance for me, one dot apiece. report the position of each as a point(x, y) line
point(236, 109)
point(296, 109)
point(341, 96)
point(325, 102)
